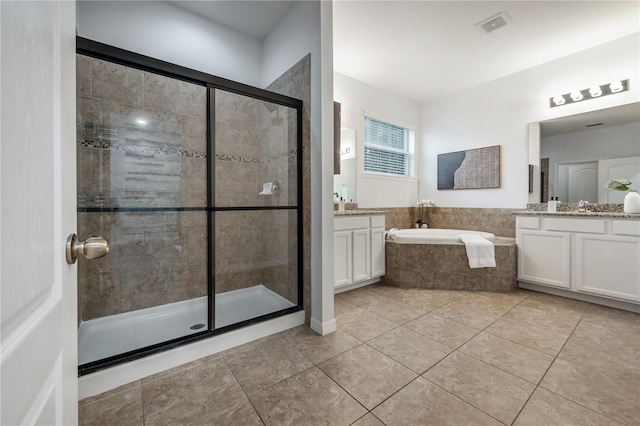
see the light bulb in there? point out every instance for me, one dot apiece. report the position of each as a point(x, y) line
point(141, 122)
point(576, 96)
point(595, 91)
point(616, 86)
point(559, 100)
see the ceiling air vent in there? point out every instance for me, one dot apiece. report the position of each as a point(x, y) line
point(497, 21)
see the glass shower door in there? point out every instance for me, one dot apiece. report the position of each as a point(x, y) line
point(255, 215)
point(142, 184)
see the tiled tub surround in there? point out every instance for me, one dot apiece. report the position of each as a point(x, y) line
point(446, 266)
point(408, 356)
point(500, 222)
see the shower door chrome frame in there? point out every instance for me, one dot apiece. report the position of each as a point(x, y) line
point(127, 58)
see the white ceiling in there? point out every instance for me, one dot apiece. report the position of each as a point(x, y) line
point(423, 50)
point(255, 18)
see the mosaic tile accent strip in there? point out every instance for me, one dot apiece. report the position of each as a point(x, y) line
point(238, 159)
point(111, 146)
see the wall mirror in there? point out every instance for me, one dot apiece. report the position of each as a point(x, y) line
point(345, 183)
point(578, 154)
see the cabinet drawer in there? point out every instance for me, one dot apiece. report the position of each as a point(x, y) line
point(346, 223)
point(528, 222)
point(377, 221)
point(588, 226)
point(626, 227)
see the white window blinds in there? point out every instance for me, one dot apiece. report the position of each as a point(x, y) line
point(388, 148)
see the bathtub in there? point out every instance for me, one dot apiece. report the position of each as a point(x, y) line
point(436, 259)
point(435, 236)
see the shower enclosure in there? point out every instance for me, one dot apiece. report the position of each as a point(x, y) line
point(196, 183)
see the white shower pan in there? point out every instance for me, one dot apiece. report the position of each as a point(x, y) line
point(108, 336)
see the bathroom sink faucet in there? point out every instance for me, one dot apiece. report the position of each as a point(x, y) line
point(582, 206)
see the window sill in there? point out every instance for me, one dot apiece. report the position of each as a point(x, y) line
point(383, 176)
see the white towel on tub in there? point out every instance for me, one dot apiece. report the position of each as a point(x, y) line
point(480, 251)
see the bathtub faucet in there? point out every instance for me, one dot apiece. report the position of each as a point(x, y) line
point(391, 234)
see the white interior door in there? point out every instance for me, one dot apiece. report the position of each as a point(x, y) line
point(38, 361)
point(617, 168)
point(583, 181)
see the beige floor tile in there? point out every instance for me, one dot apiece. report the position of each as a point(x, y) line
point(341, 307)
point(367, 375)
point(613, 332)
point(190, 394)
point(442, 330)
point(396, 312)
point(112, 392)
point(478, 312)
point(429, 300)
point(122, 406)
point(317, 348)
point(604, 391)
point(264, 363)
point(364, 325)
point(368, 420)
point(309, 398)
point(557, 304)
point(513, 358)
point(240, 413)
point(583, 349)
point(599, 311)
point(388, 291)
point(497, 393)
point(423, 403)
point(536, 329)
point(547, 408)
point(361, 297)
point(411, 349)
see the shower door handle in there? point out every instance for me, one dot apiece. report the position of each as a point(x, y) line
point(92, 248)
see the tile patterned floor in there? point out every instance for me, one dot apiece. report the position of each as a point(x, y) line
point(408, 357)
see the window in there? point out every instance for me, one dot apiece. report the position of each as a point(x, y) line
point(388, 149)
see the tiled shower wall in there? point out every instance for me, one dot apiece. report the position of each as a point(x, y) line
point(296, 83)
point(141, 143)
point(255, 144)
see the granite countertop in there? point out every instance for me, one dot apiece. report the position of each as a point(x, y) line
point(356, 212)
point(615, 215)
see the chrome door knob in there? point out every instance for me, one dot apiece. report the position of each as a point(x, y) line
point(92, 248)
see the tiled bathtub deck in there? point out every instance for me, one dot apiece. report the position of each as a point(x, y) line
point(409, 357)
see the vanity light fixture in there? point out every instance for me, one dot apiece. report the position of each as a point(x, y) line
point(586, 94)
point(576, 96)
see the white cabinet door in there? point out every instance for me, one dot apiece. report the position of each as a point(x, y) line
point(377, 252)
point(544, 257)
point(38, 363)
point(342, 249)
point(608, 265)
point(361, 255)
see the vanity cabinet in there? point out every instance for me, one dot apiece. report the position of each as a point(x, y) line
point(599, 257)
point(358, 247)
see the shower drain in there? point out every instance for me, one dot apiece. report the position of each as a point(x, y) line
point(197, 326)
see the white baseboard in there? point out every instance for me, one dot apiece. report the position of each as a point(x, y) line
point(111, 378)
point(356, 285)
point(323, 328)
point(612, 303)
